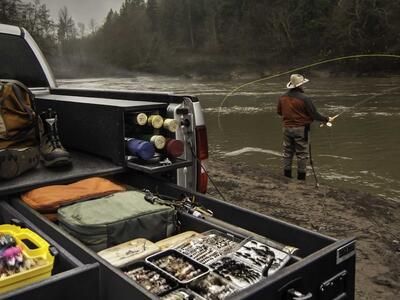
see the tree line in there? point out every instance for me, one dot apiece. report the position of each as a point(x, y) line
point(209, 36)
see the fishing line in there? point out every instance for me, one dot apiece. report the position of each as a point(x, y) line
point(368, 99)
point(295, 70)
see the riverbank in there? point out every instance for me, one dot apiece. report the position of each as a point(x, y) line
point(339, 213)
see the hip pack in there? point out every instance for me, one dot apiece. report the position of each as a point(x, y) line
point(18, 122)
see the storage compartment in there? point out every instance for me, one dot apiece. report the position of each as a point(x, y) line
point(177, 265)
point(59, 274)
point(151, 278)
point(137, 134)
point(26, 257)
point(312, 265)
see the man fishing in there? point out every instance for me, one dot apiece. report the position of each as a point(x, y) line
point(298, 112)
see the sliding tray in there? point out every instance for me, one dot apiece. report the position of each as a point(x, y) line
point(154, 166)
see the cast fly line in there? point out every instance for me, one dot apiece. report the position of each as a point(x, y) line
point(379, 55)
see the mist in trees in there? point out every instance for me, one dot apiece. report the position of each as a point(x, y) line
point(214, 36)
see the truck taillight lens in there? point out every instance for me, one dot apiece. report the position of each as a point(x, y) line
point(202, 155)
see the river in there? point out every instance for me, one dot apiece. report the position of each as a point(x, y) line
point(361, 150)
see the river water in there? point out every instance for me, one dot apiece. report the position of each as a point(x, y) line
point(361, 150)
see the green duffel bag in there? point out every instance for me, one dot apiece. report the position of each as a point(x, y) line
point(117, 218)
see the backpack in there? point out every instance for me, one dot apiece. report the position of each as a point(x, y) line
point(18, 121)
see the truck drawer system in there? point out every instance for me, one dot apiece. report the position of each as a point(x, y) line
point(97, 131)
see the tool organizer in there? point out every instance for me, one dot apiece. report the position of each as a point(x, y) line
point(188, 263)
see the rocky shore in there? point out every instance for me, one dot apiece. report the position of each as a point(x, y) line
point(339, 213)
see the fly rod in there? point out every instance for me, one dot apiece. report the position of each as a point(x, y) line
point(330, 123)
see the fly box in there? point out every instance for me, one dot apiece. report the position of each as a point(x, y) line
point(209, 245)
point(123, 254)
point(31, 263)
point(175, 240)
point(177, 265)
point(263, 257)
point(149, 277)
point(236, 271)
point(182, 294)
point(212, 286)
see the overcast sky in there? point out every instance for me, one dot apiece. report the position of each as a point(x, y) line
point(83, 10)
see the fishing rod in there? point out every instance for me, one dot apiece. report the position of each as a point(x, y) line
point(299, 69)
point(330, 123)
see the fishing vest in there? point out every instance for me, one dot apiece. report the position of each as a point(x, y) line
point(293, 111)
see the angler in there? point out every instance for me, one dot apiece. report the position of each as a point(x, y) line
point(298, 112)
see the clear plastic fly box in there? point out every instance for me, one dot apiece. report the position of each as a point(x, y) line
point(24, 258)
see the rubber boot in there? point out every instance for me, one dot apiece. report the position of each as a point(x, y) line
point(14, 162)
point(301, 176)
point(52, 152)
point(287, 173)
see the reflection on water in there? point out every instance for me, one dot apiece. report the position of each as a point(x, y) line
point(360, 151)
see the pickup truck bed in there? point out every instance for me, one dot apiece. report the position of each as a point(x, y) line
point(322, 268)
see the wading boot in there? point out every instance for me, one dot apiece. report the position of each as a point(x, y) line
point(287, 173)
point(52, 152)
point(14, 162)
point(301, 176)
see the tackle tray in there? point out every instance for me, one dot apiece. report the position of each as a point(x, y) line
point(182, 294)
point(161, 275)
point(253, 274)
point(174, 253)
point(248, 253)
point(213, 286)
point(176, 240)
point(33, 247)
point(231, 241)
point(125, 253)
point(204, 249)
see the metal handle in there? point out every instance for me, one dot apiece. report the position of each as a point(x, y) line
point(296, 295)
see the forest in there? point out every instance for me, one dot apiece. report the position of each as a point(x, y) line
point(209, 37)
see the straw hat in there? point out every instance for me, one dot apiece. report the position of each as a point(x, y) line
point(296, 80)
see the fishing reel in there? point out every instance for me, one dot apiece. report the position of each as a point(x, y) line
point(330, 122)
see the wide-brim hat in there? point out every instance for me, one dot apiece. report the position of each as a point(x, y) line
point(296, 80)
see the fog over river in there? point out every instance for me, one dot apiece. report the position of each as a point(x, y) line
point(360, 151)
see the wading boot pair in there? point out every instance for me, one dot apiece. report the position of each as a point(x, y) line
point(52, 152)
point(300, 175)
point(287, 173)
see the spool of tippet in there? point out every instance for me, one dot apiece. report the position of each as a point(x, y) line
point(142, 149)
point(158, 141)
point(171, 125)
point(140, 119)
point(155, 121)
point(174, 148)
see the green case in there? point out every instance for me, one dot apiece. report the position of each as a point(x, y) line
point(117, 218)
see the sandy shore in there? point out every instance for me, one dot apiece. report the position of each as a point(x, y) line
point(339, 213)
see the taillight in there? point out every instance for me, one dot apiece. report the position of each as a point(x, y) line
point(202, 155)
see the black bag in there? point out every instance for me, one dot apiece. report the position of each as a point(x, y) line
point(118, 218)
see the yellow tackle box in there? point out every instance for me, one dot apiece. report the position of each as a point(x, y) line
point(33, 247)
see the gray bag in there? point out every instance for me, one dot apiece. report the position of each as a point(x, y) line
point(117, 218)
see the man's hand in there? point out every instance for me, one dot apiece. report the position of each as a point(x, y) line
point(330, 119)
